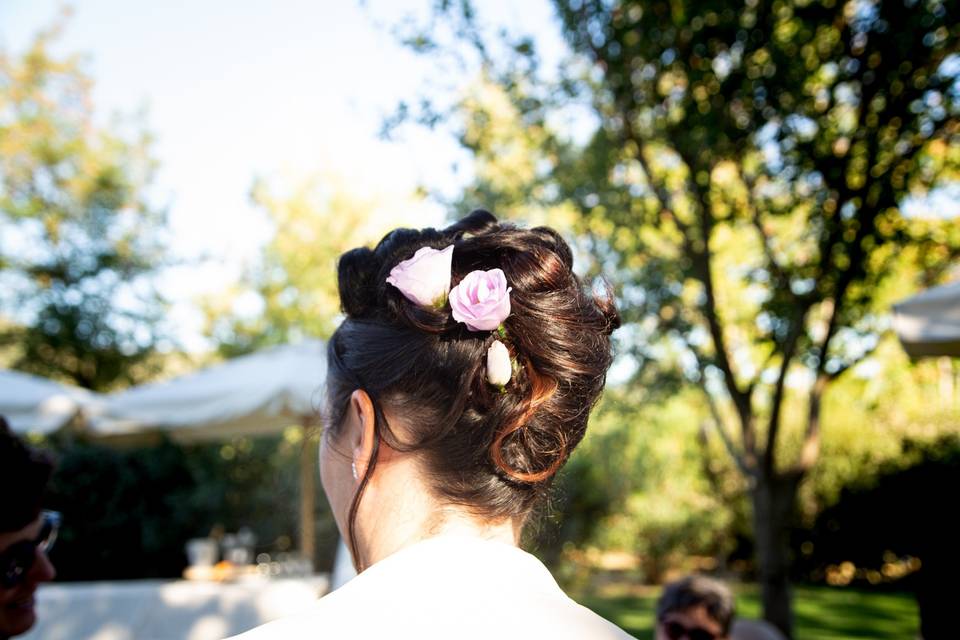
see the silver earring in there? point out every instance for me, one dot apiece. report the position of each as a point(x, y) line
point(353, 466)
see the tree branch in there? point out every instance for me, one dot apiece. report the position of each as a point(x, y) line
point(810, 449)
point(701, 261)
point(738, 457)
point(700, 258)
point(660, 191)
point(773, 427)
point(846, 366)
point(765, 240)
point(704, 441)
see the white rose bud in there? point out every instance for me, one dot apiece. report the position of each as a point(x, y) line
point(499, 367)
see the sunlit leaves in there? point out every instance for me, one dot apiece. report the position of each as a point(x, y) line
point(79, 238)
point(291, 292)
point(761, 151)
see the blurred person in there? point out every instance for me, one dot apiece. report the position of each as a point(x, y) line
point(458, 384)
point(695, 608)
point(26, 532)
point(755, 630)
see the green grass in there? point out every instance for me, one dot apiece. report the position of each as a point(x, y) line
point(822, 613)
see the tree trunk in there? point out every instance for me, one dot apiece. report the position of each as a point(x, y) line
point(308, 496)
point(774, 496)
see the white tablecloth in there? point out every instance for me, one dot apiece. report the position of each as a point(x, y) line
point(167, 610)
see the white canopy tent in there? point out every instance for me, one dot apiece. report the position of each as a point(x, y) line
point(928, 323)
point(37, 405)
point(257, 394)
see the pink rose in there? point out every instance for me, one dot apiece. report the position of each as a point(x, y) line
point(481, 300)
point(424, 278)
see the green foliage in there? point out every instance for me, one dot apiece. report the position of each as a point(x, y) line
point(646, 481)
point(79, 239)
point(743, 189)
point(752, 166)
point(636, 484)
point(905, 500)
point(128, 513)
point(316, 219)
point(867, 420)
point(823, 613)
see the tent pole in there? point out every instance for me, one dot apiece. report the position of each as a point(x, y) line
point(308, 494)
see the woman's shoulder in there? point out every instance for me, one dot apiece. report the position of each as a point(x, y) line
point(448, 588)
point(331, 617)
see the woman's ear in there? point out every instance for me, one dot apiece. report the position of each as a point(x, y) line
point(362, 437)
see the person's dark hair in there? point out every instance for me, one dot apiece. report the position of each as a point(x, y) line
point(24, 473)
point(492, 452)
point(693, 591)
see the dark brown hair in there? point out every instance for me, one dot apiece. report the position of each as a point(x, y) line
point(24, 473)
point(492, 452)
point(695, 591)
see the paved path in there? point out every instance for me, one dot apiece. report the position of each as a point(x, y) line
point(167, 610)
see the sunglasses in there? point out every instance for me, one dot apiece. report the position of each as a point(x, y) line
point(17, 560)
point(678, 631)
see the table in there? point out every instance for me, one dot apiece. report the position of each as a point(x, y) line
point(168, 609)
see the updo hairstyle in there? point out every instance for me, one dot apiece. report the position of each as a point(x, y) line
point(492, 452)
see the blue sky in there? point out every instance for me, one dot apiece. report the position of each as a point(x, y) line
point(234, 90)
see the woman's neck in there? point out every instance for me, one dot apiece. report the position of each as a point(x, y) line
point(398, 510)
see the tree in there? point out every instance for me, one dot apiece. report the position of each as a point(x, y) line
point(78, 237)
point(294, 285)
point(744, 189)
point(905, 501)
point(664, 511)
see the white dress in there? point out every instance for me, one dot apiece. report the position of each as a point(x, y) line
point(449, 586)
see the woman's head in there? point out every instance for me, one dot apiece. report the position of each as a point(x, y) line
point(488, 450)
